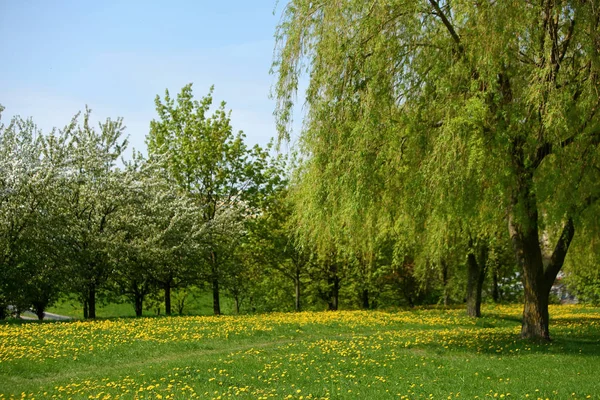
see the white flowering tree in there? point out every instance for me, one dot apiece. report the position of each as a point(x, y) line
point(158, 234)
point(30, 175)
point(95, 193)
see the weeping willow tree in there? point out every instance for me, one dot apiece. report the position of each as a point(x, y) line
point(486, 105)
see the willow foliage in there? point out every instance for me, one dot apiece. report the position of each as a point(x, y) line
point(421, 111)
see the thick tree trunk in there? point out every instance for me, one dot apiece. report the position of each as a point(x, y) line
point(167, 288)
point(473, 297)
point(537, 279)
point(92, 302)
point(365, 299)
point(535, 311)
point(475, 277)
point(297, 289)
point(3, 312)
point(524, 235)
point(39, 308)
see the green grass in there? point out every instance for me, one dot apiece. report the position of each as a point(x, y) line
point(423, 353)
point(198, 302)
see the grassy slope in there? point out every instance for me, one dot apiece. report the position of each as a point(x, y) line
point(410, 354)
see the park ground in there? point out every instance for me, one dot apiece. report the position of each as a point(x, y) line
point(419, 353)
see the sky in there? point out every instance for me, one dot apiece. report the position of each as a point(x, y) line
point(115, 56)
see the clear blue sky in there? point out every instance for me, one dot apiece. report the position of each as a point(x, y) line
point(116, 56)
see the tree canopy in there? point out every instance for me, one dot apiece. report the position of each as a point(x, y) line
point(446, 109)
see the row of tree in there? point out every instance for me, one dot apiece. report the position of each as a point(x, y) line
point(201, 209)
point(76, 220)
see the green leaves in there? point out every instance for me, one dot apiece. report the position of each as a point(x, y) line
point(212, 165)
point(429, 121)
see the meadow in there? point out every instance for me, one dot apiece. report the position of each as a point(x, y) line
point(419, 353)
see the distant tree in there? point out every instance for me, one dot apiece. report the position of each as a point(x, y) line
point(96, 193)
point(158, 231)
point(30, 168)
point(210, 163)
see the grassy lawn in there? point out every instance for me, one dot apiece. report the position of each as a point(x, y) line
point(437, 354)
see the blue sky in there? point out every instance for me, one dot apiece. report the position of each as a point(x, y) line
point(116, 56)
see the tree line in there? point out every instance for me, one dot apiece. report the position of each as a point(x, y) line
point(77, 219)
point(204, 210)
point(201, 209)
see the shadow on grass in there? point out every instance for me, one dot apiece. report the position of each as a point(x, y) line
point(500, 336)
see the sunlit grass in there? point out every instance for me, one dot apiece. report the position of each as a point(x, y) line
point(355, 354)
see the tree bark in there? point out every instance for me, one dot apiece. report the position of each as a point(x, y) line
point(181, 305)
point(85, 309)
point(475, 277)
point(139, 304)
point(216, 302)
point(92, 302)
point(215, 285)
point(365, 299)
point(473, 300)
point(39, 310)
point(167, 287)
point(236, 304)
point(537, 280)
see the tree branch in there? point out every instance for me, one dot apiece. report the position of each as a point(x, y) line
point(438, 11)
point(565, 43)
point(560, 252)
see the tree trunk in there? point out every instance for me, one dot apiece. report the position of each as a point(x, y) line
point(476, 276)
point(39, 308)
point(167, 287)
point(537, 280)
point(473, 302)
point(297, 288)
point(139, 304)
point(181, 305)
point(365, 299)
point(216, 302)
point(335, 294)
point(3, 312)
point(92, 302)
point(215, 285)
point(236, 303)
